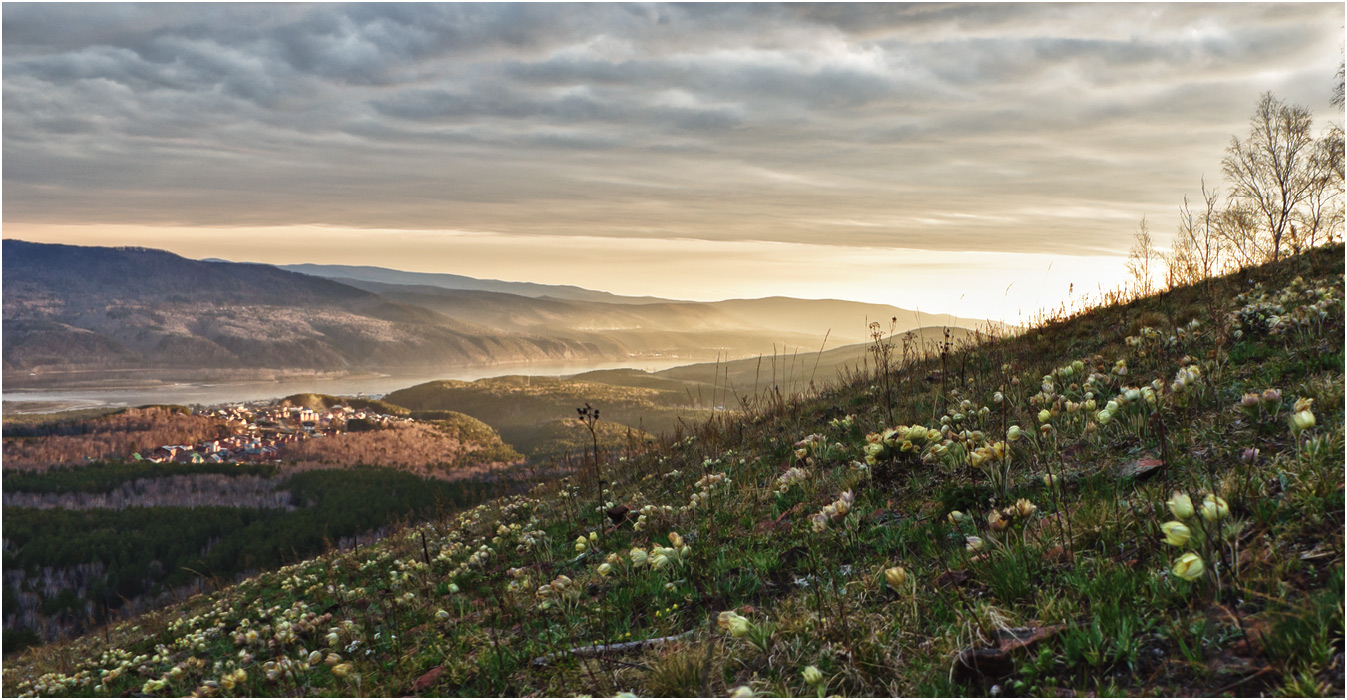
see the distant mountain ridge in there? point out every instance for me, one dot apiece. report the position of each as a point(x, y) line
point(78, 310)
point(369, 273)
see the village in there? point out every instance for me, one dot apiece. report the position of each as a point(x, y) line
point(261, 432)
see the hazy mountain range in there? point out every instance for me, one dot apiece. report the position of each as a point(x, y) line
point(71, 309)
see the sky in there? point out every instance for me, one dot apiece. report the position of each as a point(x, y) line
point(980, 160)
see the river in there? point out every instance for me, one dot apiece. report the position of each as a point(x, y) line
point(211, 393)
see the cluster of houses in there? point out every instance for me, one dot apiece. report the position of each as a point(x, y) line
point(260, 432)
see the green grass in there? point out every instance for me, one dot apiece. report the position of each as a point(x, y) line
point(1081, 569)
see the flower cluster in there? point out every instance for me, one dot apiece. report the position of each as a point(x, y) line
point(706, 485)
point(582, 543)
point(1254, 404)
point(810, 445)
point(1013, 515)
point(1302, 416)
point(843, 423)
point(789, 478)
point(1128, 396)
point(1297, 306)
point(1201, 528)
point(560, 590)
point(901, 440)
point(668, 557)
point(833, 511)
point(1186, 378)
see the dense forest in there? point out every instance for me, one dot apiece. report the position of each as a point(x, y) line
point(66, 568)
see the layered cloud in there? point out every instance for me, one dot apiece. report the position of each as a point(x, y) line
point(1021, 128)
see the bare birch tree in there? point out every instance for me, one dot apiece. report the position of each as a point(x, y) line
point(1196, 251)
point(1270, 172)
point(1141, 257)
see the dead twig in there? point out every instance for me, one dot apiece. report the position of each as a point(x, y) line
point(597, 650)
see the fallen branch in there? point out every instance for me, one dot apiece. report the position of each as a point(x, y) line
point(596, 650)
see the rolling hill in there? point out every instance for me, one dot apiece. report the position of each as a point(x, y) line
point(78, 314)
point(367, 273)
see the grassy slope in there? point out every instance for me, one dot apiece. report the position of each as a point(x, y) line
point(1087, 573)
point(523, 409)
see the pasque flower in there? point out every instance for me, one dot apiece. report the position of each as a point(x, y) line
point(1180, 505)
point(737, 625)
point(1214, 508)
point(1302, 421)
point(1189, 567)
point(1176, 533)
point(895, 576)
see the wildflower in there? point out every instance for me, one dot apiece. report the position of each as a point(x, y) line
point(1049, 480)
point(581, 544)
point(996, 522)
point(453, 588)
point(676, 540)
point(743, 691)
point(1302, 421)
point(1189, 567)
point(1249, 401)
point(605, 569)
point(1024, 508)
point(1272, 397)
point(1013, 433)
point(843, 503)
point(1044, 416)
point(812, 676)
point(315, 657)
point(340, 670)
point(1180, 505)
point(736, 624)
point(895, 577)
point(638, 556)
point(1214, 508)
point(955, 517)
point(1176, 533)
point(974, 543)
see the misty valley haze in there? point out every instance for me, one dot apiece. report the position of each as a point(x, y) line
point(73, 312)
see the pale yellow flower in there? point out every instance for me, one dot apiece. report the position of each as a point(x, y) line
point(1180, 505)
point(1176, 533)
point(895, 577)
point(1214, 508)
point(1189, 567)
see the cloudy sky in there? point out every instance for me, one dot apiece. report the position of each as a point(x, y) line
point(974, 159)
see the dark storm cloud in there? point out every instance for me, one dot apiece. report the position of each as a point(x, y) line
point(1007, 127)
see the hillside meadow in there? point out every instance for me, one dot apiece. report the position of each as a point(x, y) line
point(1142, 499)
